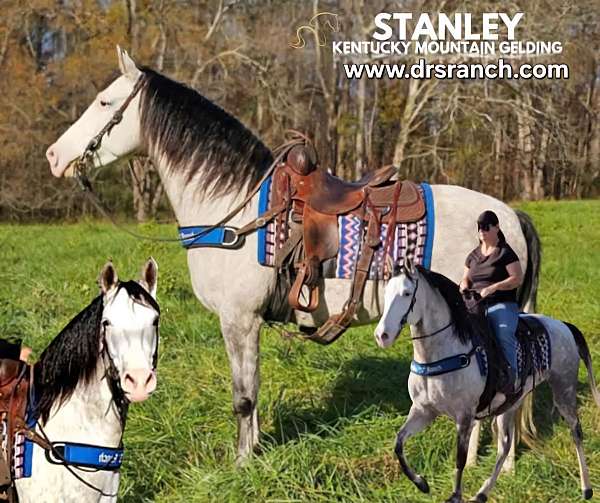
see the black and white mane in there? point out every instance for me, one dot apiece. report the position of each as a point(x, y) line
point(72, 356)
point(198, 137)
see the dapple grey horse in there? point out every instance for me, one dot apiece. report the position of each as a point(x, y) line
point(208, 161)
point(440, 328)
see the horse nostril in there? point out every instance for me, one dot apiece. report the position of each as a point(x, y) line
point(384, 336)
point(129, 379)
point(150, 376)
point(51, 156)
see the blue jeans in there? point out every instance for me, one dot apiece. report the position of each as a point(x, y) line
point(503, 317)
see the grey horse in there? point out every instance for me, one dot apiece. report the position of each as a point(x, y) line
point(440, 328)
point(208, 161)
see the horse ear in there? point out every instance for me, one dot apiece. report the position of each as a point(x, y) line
point(108, 277)
point(409, 266)
point(149, 277)
point(127, 65)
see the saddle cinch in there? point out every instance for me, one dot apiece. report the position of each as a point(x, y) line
point(313, 201)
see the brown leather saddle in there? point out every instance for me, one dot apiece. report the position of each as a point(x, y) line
point(313, 200)
point(14, 389)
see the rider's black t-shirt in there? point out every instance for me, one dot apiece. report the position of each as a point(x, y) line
point(485, 271)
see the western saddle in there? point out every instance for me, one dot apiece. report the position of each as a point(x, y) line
point(14, 388)
point(306, 202)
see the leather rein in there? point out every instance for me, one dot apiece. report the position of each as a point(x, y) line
point(86, 159)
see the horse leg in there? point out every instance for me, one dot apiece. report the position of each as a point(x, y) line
point(242, 343)
point(464, 427)
point(505, 433)
point(474, 443)
point(565, 399)
point(417, 420)
point(509, 463)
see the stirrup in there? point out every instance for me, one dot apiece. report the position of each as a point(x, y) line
point(296, 292)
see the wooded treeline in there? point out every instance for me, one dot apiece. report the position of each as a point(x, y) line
point(512, 139)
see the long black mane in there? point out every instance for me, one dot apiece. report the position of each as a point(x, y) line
point(192, 133)
point(466, 326)
point(72, 356)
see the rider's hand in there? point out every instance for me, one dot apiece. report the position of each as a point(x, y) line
point(464, 285)
point(488, 290)
point(25, 352)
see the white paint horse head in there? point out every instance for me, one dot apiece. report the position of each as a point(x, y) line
point(400, 306)
point(102, 360)
point(130, 324)
point(122, 140)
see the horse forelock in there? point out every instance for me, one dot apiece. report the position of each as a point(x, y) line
point(465, 329)
point(198, 138)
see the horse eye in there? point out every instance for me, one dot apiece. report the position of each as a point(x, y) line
point(104, 103)
point(105, 323)
point(406, 294)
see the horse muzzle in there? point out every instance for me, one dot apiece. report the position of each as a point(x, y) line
point(138, 384)
point(384, 339)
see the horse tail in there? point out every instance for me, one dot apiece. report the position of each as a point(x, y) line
point(527, 295)
point(584, 354)
point(527, 299)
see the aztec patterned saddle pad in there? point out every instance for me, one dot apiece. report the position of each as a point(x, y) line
point(413, 240)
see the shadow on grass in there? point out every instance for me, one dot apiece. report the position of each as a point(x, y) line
point(366, 385)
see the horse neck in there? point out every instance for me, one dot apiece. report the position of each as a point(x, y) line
point(192, 207)
point(441, 345)
point(89, 415)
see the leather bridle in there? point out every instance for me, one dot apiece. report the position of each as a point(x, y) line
point(94, 144)
point(409, 310)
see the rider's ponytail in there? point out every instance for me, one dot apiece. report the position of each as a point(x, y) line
point(501, 238)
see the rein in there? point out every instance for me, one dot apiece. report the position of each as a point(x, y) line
point(450, 323)
point(86, 157)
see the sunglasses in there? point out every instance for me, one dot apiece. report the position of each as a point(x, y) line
point(484, 227)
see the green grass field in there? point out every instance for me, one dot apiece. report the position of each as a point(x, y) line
point(329, 415)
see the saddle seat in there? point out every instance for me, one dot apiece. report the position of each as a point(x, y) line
point(314, 200)
point(334, 196)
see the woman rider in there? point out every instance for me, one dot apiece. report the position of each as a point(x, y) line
point(493, 270)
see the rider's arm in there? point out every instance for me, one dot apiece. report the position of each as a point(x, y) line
point(514, 280)
point(464, 282)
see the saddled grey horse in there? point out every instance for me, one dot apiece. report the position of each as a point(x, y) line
point(208, 161)
point(428, 302)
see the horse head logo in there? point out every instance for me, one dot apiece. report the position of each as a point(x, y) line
point(318, 25)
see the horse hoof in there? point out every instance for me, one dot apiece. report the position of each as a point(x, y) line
point(588, 493)
point(454, 499)
point(421, 484)
point(480, 498)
